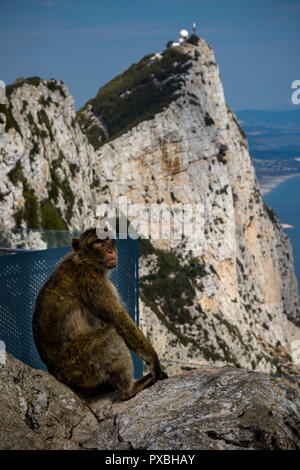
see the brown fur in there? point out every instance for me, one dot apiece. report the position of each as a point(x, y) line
point(81, 329)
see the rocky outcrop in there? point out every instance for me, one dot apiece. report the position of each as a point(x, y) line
point(233, 301)
point(242, 304)
point(211, 408)
point(46, 163)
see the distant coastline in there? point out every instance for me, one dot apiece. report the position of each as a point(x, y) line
point(284, 200)
point(268, 183)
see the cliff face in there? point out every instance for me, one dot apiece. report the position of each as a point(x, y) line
point(194, 151)
point(46, 164)
point(233, 302)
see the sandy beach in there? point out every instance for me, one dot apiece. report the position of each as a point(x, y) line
point(270, 182)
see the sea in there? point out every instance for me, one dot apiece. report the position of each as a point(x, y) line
point(285, 201)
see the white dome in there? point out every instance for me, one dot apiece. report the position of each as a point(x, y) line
point(184, 33)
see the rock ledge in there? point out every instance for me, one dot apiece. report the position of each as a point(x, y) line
point(211, 408)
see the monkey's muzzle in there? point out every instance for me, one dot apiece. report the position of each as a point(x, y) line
point(111, 263)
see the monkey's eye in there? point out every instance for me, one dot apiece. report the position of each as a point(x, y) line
point(99, 242)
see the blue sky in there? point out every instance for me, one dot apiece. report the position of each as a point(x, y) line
point(86, 43)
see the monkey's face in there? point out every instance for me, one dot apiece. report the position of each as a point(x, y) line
point(106, 251)
point(101, 252)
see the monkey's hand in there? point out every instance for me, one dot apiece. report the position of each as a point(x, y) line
point(163, 375)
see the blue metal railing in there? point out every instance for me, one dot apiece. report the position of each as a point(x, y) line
point(21, 277)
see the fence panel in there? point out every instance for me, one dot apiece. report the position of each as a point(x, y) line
point(21, 278)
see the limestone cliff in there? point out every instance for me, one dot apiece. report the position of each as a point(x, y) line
point(242, 296)
point(46, 164)
point(178, 142)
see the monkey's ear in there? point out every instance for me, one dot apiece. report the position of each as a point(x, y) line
point(75, 244)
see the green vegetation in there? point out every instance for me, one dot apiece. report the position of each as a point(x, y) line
point(55, 184)
point(222, 152)
point(45, 102)
point(173, 197)
point(37, 215)
point(257, 195)
point(51, 218)
point(218, 220)
point(80, 204)
point(24, 106)
point(95, 183)
point(18, 216)
point(69, 198)
point(53, 189)
point(243, 135)
point(271, 214)
point(208, 353)
point(16, 174)
point(170, 291)
point(33, 151)
point(145, 247)
point(142, 91)
point(57, 163)
point(172, 284)
point(31, 208)
point(208, 120)
point(30, 119)
point(196, 57)
point(228, 357)
point(223, 190)
point(30, 212)
point(232, 329)
point(240, 264)
point(54, 85)
point(34, 128)
point(11, 123)
point(214, 271)
point(34, 81)
point(43, 119)
point(193, 39)
point(74, 168)
point(94, 133)
point(64, 186)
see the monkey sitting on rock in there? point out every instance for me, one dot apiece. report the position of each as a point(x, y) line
point(80, 327)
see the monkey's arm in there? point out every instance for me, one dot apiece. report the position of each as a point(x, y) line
point(96, 292)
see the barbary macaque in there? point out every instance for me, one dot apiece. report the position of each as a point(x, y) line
point(80, 327)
